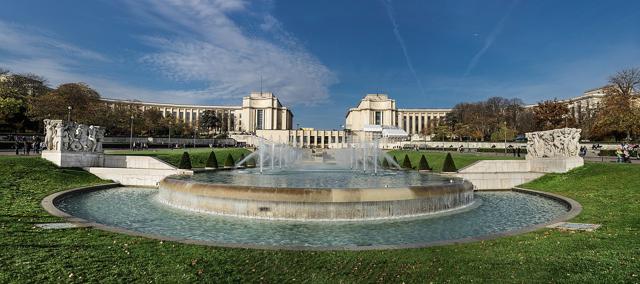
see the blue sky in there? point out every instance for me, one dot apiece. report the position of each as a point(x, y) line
point(322, 57)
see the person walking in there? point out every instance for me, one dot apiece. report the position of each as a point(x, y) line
point(27, 147)
point(17, 144)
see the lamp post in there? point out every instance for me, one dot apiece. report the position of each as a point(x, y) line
point(169, 134)
point(195, 130)
point(505, 138)
point(69, 113)
point(131, 136)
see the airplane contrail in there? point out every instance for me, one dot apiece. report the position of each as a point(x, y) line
point(490, 39)
point(396, 32)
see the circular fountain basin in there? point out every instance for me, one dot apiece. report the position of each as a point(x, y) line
point(137, 211)
point(316, 194)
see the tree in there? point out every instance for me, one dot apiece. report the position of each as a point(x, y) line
point(212, 161)
point(240, 160)
point(502, 133)
point(552, 114)
point(85, 103)
point(185, 161)
point(449, 166)
point(151, 120)
point(625, 82)
point(22, 86)
point(385, 163)
point(441, 132)
point(229, 162)
point(616, 117)
point(406, 163)
point(9, 107)
point(423, 165)
point(16, 91)
point(251, 163)
point(209, 120)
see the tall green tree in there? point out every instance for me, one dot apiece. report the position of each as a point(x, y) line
point(16, 92)
point(209, 121)
point(84, 101)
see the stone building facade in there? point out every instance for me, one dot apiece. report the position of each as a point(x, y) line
point(379, 109)
point(259, 111)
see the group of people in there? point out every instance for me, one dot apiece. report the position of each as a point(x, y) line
point(623, 152)
point(25, 145)
point(139, 146)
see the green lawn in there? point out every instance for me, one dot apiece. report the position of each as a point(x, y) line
point(436, 159)
point(609, 193)
point(198, 155)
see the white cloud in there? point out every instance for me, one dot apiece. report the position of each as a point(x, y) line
point(26, 41)
point(208, 46)
point(31, 50)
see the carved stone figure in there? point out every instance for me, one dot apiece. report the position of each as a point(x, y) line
point(64, 136)
point(564, 142)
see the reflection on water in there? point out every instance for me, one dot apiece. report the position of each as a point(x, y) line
point(136, 209)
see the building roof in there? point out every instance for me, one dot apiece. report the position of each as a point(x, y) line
point(168, 104)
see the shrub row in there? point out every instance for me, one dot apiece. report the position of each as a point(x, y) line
point(423, 164)
point(612, 153)
point(212, 161)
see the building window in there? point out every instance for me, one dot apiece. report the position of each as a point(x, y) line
point(259, 119)
point(378, 118)
point(188, 116)
point(339, 139)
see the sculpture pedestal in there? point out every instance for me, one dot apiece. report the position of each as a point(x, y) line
point(554, 165)
point(74, 159)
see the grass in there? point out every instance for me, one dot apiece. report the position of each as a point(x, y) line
point(198, 155)
point(609, 192)
point(436, 159)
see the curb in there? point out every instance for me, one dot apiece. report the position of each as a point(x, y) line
point(48, 203)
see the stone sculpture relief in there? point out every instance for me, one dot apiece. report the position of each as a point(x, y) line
point(555, 143)
point(65, 136)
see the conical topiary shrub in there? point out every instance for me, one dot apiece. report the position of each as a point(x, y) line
point(229, 162)
point(212, 161)
point(423, 165)
point(395, 160)
point(242, 158)
point(385, 163)
point(406, 163)
point(185, 161)
point(449, 165)
point(251, 163)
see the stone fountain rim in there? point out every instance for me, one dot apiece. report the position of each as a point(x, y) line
point(48, 203)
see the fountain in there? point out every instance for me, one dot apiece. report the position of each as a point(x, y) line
point(346, 200)
point(288, 183)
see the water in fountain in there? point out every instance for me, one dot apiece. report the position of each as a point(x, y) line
point(363, 156)
point(271, 156)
